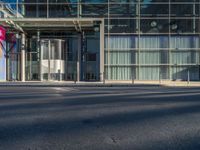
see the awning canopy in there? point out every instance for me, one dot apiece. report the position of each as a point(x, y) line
point(27, 23)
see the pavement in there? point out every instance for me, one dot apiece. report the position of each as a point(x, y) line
point(138, 117)
point(167, 83)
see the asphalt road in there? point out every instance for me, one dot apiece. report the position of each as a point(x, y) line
point(99, 118)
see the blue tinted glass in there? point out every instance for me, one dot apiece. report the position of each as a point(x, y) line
point(9, 1)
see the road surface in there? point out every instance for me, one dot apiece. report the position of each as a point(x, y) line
point(99, 118)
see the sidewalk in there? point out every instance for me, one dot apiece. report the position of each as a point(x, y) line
point(101, 84)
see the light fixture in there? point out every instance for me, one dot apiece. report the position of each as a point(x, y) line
point(153, 24)
point(174, 26)
point(96, 28)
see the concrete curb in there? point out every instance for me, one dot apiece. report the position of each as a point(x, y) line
point(70, 84)
point(162, 83)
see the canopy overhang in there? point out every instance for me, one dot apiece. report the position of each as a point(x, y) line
point(27, 23)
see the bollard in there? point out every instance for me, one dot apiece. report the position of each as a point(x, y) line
point(75, 78)
point(188, 77)
point(159, 77)
point(133, 79)
point(104, 78)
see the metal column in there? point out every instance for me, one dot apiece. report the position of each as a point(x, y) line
point(23, 42)
point(78, 59)
point(39, 52)
point(102, 74)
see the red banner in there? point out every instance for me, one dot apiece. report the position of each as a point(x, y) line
point(2, 33)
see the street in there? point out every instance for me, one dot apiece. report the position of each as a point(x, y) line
point(100, 118)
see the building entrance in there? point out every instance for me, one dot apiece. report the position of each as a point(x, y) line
point(52, 59)
point(75, 58)
point(68, 52)
point(90, 57)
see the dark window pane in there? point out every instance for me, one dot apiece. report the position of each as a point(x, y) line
point(94, 10)
point(154, 9)
point(182, 10)
point(127, 10)
point(154, 25)
point(91, 57)
point(182, 26)
point(122, 26)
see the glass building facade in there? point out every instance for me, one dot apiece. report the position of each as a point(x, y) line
point(93, 40)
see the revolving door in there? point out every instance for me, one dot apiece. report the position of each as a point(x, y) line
point(52, 67)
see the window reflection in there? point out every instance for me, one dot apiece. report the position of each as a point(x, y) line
point(182, 26)
point(122, 26)
point(154, 9)
point(154, 25)
point(182, 10)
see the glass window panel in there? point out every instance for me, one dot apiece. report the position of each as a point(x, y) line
point(118, 73)
point(149, 73)
point(126, 10)
point(123, 1)
point(93, 1)
point(13, 43)
point(149, 57)
point(187, 1)
point(62, 10)
point(181, 73)
point(178, 72)
point(122, 26)
point(33, 10)
point(119, 58)
point(34, 1)
point(164, 73)
point(183, 57)
point(72, 48)
point(154, 25)
point(9, 1)
point(60, 1)
point(197, 26)
point(182, 26)
point(153, 42)
point(94, 10)
point(92, 44)
point(42, 11)
point(155, 1)
point(194, 73)
point(120, 42)
point(197, 9)
point(45, 50)
point(184, 42)
point(8, 10)
point(30, 10)
point(32, 66)
point(179, 10)
point(14, 66)
point(154, 9)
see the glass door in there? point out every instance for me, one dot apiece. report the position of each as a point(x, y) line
point(52, 60)
point(32, 61)
point(91, 57)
